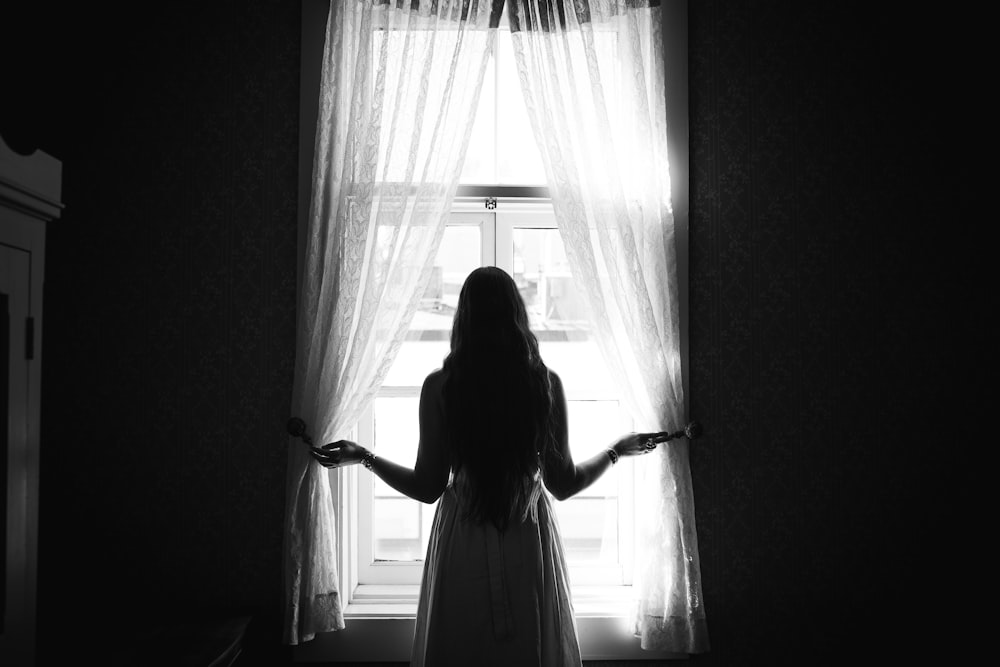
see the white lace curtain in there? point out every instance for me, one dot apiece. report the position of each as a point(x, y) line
point(593, 81)
point(399, 89)
point(398, 96)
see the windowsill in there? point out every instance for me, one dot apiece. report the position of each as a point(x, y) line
point(400, 601)
point(380, 620)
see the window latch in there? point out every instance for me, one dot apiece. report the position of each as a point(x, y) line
point(491, 203)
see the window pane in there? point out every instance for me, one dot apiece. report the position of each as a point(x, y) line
point(397, 432)
point(593, 427)
point(399, 525)
point(502, 149)
point(518, 159)
point(408, 141)
point(589, 529)
point(397, 529)
point(427, 342)
point(589, 521)
point(555, 307)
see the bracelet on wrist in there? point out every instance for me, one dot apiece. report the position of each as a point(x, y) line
point(367, 459)
point(613, 455)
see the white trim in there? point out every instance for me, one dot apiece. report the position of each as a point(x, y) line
point(400, 601)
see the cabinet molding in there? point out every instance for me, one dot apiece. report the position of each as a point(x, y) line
point(30, 192)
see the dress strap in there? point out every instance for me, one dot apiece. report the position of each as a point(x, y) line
point(498, 585)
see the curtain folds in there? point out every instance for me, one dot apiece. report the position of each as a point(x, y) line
point(400, 85)
point(593, 81)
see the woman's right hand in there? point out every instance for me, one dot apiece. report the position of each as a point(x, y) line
point(636, 444)
point(338, 454)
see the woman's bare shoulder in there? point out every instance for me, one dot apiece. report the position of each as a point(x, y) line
point(435, 380)
point(432, 393)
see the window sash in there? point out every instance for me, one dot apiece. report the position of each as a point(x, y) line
point(497, 231)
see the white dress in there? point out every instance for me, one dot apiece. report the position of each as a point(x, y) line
point(491, 598)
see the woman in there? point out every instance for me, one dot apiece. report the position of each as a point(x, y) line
point(492, 431)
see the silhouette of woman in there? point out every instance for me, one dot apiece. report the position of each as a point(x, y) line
point(493, 431)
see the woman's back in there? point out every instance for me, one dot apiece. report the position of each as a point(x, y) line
point(492, 596)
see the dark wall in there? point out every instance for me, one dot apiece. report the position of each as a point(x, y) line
point(170, 311)
point(169, 322)
point(819, 309)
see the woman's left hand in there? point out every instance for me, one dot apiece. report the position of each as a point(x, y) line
point(337, 454)
point(634, 444)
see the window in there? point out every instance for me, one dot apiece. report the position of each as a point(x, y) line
point(380, 586)
point(521, 238)
point(596, 524)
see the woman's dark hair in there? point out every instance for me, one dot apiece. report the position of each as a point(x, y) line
point(497, 397)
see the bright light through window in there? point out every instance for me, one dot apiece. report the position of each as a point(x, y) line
point(533, 254)
point(596, 524)
point(502, 148)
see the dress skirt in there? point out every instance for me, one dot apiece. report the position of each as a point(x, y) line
point(491, 598)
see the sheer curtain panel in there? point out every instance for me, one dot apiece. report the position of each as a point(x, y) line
point(400, 84)
point(592, 74)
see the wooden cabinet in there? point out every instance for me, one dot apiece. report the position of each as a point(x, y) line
point(30, 190)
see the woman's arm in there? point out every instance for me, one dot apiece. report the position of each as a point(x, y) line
point(427, 480)
point(565, 479)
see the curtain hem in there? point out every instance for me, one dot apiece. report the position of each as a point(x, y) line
point(676, 634)
point(325, 616)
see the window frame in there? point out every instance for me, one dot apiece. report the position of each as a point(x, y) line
point(381, 627)
point(497, 234)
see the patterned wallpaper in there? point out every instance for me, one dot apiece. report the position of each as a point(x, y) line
point(812, 355)
point(170, 305)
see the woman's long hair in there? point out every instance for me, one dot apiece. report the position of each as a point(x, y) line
point(498, 398)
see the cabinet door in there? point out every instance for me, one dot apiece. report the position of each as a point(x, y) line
point(18, 481)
